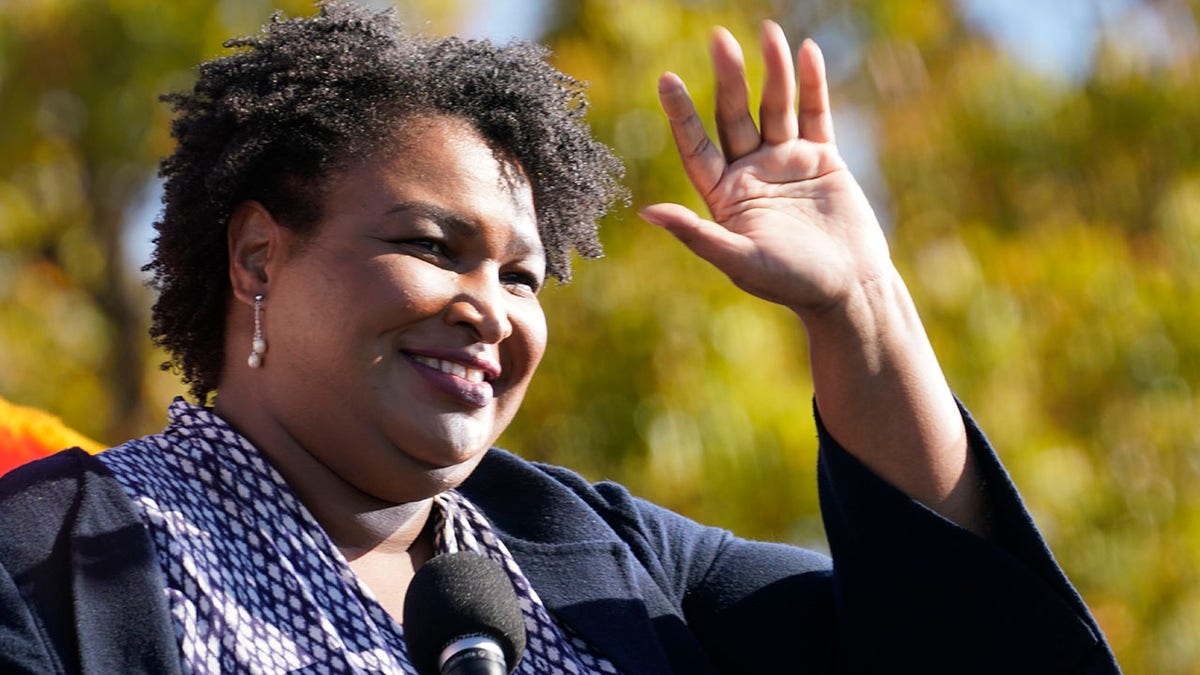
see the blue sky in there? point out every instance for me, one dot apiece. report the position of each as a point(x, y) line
point(501, 20)
point(1055, 37)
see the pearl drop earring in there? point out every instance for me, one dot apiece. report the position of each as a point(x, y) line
point(258, 346)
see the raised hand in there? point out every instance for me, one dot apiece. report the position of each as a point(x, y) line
point(789, 223)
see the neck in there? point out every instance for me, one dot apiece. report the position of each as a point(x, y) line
point(357, 523)
point(395, 529)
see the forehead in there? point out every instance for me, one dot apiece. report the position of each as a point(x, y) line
point(429, 142)
point(443, 161)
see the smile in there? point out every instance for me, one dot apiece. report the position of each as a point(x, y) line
point(473, 375)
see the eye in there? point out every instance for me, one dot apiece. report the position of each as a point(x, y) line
point(429, 247)
point(523, 280)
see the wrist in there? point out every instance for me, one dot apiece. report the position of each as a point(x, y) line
point(875, 315)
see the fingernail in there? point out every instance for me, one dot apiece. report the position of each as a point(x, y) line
point(669, 83)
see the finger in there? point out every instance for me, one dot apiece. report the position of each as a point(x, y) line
point(735, 127)
point(777, 112)
point(816, 119)
point(712, 242)
point(702, 161)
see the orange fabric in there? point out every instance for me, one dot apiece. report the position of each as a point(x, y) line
point(28, 433)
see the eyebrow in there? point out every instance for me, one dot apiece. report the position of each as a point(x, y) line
point(460, 226)
point(466, 228)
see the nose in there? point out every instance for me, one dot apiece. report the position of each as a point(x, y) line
point(481, 305)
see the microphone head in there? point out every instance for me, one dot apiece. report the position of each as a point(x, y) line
point(456, 595)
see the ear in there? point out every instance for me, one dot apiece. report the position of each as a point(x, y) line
point(255, 241)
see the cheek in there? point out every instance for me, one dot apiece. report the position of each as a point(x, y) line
point(529, 327)
point(381, 294)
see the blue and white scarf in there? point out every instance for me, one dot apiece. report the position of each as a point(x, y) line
point(256, 586)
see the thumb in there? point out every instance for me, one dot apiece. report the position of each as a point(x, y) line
point(712, 242)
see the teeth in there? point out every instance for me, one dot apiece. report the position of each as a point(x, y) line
point(456, 369)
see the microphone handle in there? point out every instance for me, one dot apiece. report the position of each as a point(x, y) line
point(475, 655)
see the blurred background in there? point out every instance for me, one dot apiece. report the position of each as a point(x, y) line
point(1036, 165)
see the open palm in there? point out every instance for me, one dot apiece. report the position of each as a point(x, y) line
point(789, 223)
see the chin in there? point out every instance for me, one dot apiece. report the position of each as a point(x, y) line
point(433, 482)
point(413, 486)
point(453, 443)
point(453, 476)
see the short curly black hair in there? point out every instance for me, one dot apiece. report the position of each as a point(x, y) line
point(297, 102)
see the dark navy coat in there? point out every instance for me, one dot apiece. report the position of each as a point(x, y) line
point(906, 591)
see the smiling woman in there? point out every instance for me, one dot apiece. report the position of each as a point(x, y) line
point(357, 223)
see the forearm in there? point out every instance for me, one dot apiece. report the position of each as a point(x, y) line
point(883, 397)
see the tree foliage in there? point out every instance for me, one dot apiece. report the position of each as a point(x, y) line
point(1049, 229)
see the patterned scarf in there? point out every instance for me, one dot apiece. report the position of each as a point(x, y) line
point(255, 585)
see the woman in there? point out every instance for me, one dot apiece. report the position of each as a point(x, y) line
point(357, 223)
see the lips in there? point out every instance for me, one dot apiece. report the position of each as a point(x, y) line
point(464, 378)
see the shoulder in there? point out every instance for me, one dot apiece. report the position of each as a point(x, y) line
point(47, 499)
point(41, 480)
point(547, 504)
point(67, 474)
point(543, 500)
point(540, 502)
point(78, 577)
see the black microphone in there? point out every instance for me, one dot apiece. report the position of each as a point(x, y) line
point(462, 617)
